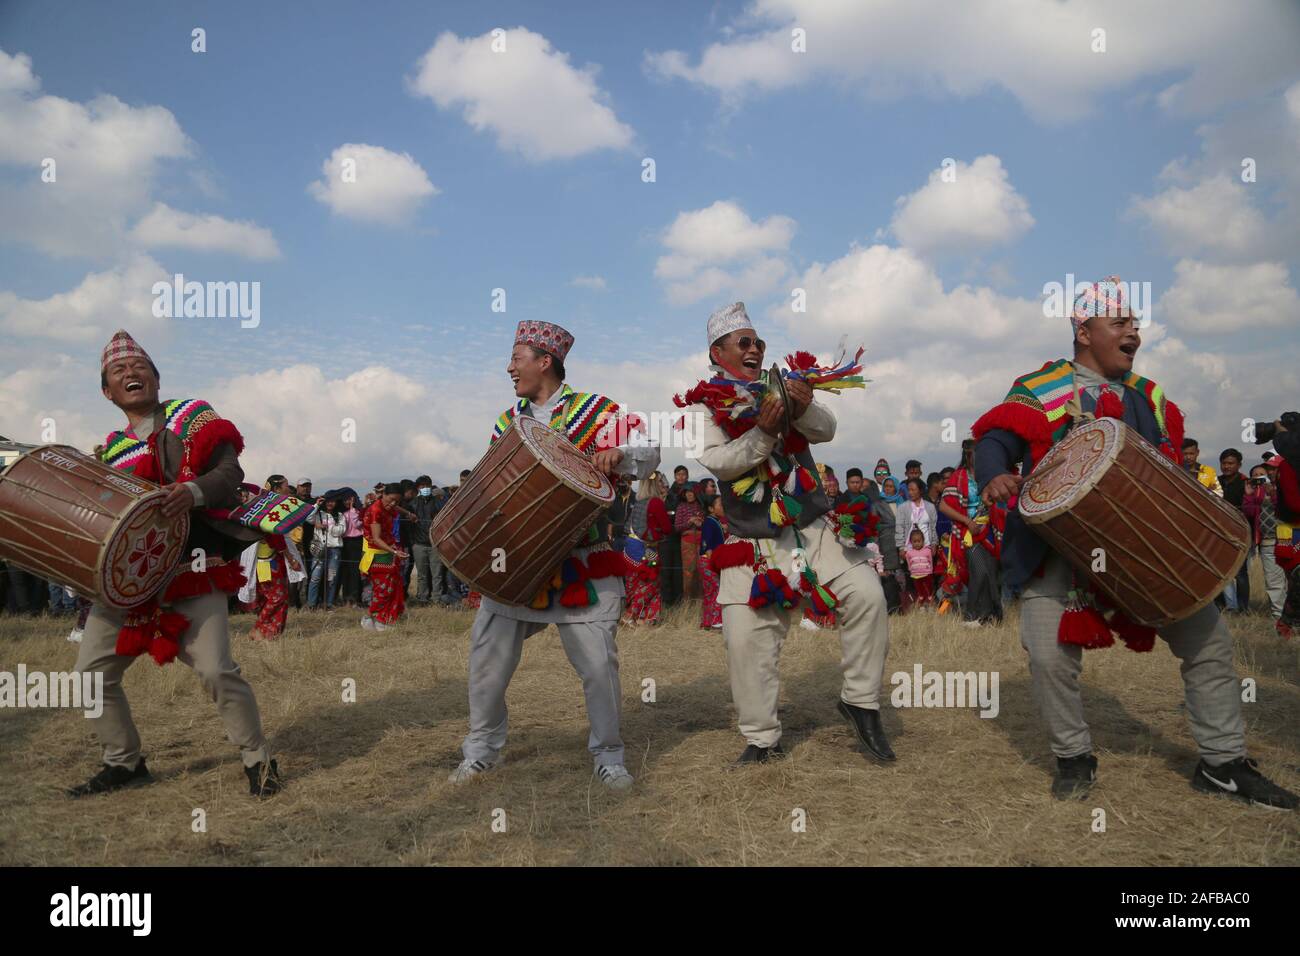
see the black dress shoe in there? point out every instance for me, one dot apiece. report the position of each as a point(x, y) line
point(1074, 777)
point(113, 778)
point(867, 725)
point(264, 781)
point(755, 754)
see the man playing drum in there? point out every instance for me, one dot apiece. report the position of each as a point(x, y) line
point(778, 531)
point(1036, 414)
point(185, 446)
point(586, 632)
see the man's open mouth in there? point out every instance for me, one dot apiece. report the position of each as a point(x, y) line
point(1129, 349)
point(752, 363)
point(134, 386)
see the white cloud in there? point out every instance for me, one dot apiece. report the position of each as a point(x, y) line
point(720, 248)
point(589, 282)
point(883, 295)
point(282, 431)
point(977, 208)
point(98, 305)
point(1229, 299)
point(1216, 216)
point(106, 155)
point(372, 184)
point(165, 226)
point(528, 95)
point(1038, 50)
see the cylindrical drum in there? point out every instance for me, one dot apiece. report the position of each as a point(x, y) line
point(520, 512)
point(72, 519)
point(1154, 540)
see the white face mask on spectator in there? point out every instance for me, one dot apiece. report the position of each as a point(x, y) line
point(425, 492)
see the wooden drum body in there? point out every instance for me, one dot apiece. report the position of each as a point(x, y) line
point(1169, 545)
point(520, 512)
point(101, 532)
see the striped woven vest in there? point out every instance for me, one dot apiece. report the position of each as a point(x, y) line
point(580, 416)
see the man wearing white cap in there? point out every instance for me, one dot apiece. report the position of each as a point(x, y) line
point(186, 447)
point(587, 632)
point(780, 525)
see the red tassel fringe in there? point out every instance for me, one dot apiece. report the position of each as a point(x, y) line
point(1084, 627)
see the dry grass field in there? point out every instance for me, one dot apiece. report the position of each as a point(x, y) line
point(367, 780)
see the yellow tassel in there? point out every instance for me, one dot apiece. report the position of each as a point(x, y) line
point(774, 513)
point(742, 485)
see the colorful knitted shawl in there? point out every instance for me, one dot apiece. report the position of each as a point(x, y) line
point(193, 421)
point(735, 404)
point(1036, 409)
point(153, 627)
point(581, 415)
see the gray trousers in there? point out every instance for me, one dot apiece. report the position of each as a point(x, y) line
point(205, 646)
point(754, 639)
point(428, 573)
point(494, 650)
point(1274, 578)
point(1201, 642)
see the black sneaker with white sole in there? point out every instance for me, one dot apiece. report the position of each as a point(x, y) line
point(1074, 777)
point(1241, 780)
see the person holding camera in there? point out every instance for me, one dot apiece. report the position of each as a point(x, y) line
point(1284, 433)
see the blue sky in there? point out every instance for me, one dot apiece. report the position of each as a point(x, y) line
point(832, 149)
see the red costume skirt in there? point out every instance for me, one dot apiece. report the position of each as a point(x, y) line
point(387, 592)
point(272, 603)
point(643, 594)
point(710, 610)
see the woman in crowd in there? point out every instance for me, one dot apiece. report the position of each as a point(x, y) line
point(327, 546)
point(1259, 504)
point(688, 520)
point(915, 514)
point(890, 492)
point(350, 556)
point(712, 533)
point(643, 582)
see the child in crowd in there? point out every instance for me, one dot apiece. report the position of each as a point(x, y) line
point(920, 567)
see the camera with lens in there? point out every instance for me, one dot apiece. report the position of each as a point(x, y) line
point(1264, 431)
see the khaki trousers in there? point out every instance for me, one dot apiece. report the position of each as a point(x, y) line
point(205, 646)
point(754, 639)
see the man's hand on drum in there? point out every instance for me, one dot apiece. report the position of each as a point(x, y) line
point(1001, 488)
point(178, 501)
point(800, 394)
point(607, 460)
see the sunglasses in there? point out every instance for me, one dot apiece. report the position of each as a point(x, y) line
point(745, 342)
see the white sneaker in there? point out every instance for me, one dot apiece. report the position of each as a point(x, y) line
point(808, 625)
point(368, 623)
point(971, 624)
point(468, 770)
point(381, 626)
point(614, 776)
point(75, 636)
point(718, 626)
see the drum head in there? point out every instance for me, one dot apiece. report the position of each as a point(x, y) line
point(1070, 469)
point(563, 460)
